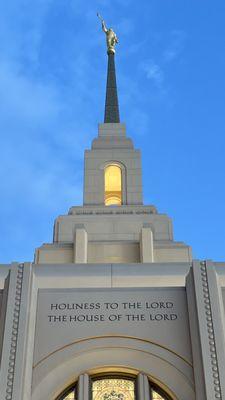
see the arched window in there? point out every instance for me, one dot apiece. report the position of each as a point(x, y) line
point(113, 185)
point(112, 387)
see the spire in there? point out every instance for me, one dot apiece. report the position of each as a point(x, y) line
point(111, 102)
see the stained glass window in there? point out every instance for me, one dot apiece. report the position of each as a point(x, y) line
point(113, 389)
point(68, 394)
point(158, 393)
point(157, 396)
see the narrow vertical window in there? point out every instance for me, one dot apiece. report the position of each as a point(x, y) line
point(113, 185)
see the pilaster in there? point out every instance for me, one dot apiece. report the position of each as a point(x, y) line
point(219, 329)
point(212, 350)
point(15, 334)
point(80, 246)
point(10, 341)
point(146, 245)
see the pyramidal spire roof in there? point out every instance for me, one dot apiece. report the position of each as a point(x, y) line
point(111, 102)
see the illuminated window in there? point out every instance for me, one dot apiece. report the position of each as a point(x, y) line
point(113, 185)
point(113, 389)
point(157, 396)
point(158, 393)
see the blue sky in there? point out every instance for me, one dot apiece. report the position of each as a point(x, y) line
point(171, 82)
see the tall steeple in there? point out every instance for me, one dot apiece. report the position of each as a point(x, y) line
point(111, 101)
point(113, 225)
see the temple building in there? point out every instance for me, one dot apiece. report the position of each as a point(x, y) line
point(114, 308)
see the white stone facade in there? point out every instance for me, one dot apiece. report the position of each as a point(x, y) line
point(40, 357)
point(113, 293)
point(131, 233)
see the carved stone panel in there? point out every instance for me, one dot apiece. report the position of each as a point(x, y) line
point(157, 315)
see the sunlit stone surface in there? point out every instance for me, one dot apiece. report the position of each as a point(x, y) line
point(114, 303)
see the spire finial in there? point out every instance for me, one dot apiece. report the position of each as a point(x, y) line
point(111, 38)
point(111, 102)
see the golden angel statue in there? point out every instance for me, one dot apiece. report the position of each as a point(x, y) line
point(111, 38)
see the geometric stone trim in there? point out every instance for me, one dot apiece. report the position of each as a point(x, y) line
point(122, 210)
point(210, 331)
point(14, 333)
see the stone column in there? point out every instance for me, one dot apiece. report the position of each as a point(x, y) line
point(80, 245)
point(84, 387)
point(143, 388)
point(146, 245)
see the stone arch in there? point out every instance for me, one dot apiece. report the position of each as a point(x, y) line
point(107, 354)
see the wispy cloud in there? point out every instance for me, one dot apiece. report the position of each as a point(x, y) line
point(175, 46)
point(43, 91)
point(156, 71)
point(153, 72)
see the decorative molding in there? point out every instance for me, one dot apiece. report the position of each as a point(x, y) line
point(210, 331)
point(14, 333)
point(105, 210)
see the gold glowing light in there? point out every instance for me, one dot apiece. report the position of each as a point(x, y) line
point(70, 396)
point(113, 185)
point(113, 389)
point(157, 396)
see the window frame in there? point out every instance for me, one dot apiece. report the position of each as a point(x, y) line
point(114, 375)
point(123, 181)
point(65, 392)
point(159, 390)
